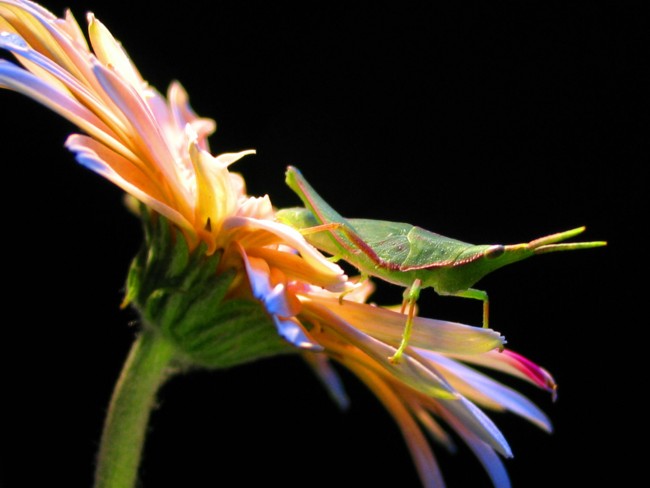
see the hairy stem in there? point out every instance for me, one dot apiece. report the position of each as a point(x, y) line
point(125, 427)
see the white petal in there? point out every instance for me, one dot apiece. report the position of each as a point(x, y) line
point(291, 330)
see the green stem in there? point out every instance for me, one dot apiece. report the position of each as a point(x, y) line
point(124, 432)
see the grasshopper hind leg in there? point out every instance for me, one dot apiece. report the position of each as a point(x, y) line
point(411, 295)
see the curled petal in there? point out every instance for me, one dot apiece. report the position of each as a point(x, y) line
point(255, 207)
point(293, 238)
point(215, 198)
point(293, 266)
point(293, 332)
point(514, 364)
point(277, 303)
point(183, 114)
point(274, 297)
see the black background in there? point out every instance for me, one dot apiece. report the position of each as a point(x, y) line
point(495, 123)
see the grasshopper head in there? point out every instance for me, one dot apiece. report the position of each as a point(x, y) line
point(478, 261)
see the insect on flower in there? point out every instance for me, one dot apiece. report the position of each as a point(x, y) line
point(410, 256)
point(222, 280)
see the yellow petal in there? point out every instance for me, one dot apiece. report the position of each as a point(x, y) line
point(435, 335)
point(110, 53)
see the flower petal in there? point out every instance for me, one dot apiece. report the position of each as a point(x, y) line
point(215, 198)
point(514, 364)
point(473, 418)
point(147, 135)
point(328, 376)
point(104, 123)
point(22, 81)
point(420, 375)
point(183, 114)
point(292, 331)
point(483, 389)
point(484, 452)
point(110, 52)
point(109, 164)
point(421, 453)
point(437, 335)
point(293, 238)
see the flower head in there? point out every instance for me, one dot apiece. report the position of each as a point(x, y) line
point(154, 148)
point(226, 247)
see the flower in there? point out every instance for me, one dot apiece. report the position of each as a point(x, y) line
point(155, 148)
point(435, 381)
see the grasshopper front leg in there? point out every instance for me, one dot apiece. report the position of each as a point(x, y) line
point(411, 295)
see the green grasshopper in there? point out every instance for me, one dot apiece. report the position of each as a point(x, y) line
point(407, 255)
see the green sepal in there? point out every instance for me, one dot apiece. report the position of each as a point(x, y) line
point(184, 295)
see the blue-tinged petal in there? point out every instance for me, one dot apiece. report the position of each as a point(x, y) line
point(291, 330)
point(322, 366)
point(15, 78)
point(61, 80)
point(477, 422)
point(274, 297)
point(483, 389)
point(103, 160)
point(484, 452)
point(42, 31)
point(276, 302)
point(11, 41)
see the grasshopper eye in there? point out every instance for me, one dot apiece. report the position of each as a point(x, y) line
point(494, 251)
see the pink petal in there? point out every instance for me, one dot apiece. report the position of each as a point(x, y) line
point(483, 389)
point(514, 364)
point(149, 138)
point(103, 161)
